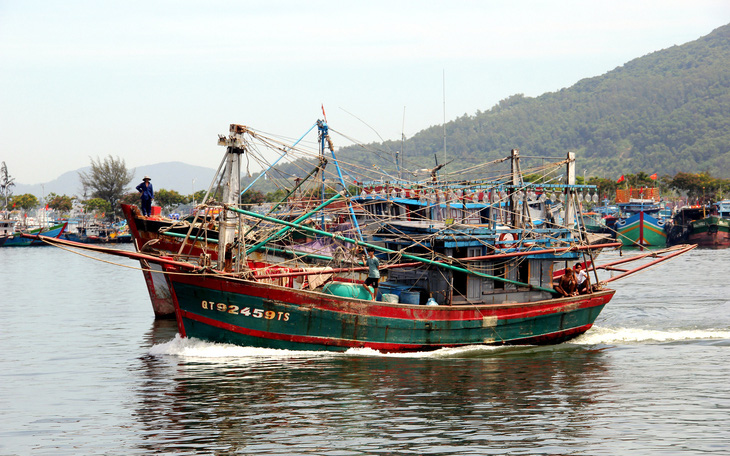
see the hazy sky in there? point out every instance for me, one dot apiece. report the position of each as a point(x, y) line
point(156, 81)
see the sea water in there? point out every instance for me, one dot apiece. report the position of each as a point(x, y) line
point(85, 369)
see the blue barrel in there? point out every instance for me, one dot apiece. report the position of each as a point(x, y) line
point(410, 297)
point(391, 288)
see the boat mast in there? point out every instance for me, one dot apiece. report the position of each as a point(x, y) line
point(399, 157)
point(235, 145)
point(326, 141)
point(515, 171)
point(570, 209)
point(443, 80)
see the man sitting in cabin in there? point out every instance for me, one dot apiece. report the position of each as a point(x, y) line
point(373, 263)
point(567, 285)
point(583, 282)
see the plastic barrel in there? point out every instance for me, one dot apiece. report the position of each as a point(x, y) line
point(410, 297)
point(347, 290)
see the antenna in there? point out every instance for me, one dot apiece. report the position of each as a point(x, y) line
point(443, 79)
point(402, 141)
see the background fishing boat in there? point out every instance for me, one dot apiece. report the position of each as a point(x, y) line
point(640, 224)
point(702, 225)
point(713, 230)
point(17, 240)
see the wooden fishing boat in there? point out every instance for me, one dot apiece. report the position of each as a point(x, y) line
point(712, 231)
point(490, 281)
point(469, 270)
point(17, 240)
point(703, 225)
point(640, 224)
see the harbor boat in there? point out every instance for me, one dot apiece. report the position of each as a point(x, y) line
point(702, 225)
point(465, 265)
point(593, 222)
point(640, 224)
point(679, 226)
point(712, 231)
point(488, 281)
point(7, 229)
point(17, 240)
point(7, 226)
point(97, 233)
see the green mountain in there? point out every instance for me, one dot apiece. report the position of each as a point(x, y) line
point(666, 112)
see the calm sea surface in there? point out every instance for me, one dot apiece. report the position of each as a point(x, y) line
point(85, 369)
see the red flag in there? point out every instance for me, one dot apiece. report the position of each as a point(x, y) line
point(325, 115)
point(46, 206)
point(653, 176)
point(620, 179)
point(14, 205)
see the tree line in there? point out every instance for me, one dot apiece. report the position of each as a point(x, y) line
point(105, 186)
point(108, 181)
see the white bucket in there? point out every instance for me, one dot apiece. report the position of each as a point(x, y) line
point(391, 298)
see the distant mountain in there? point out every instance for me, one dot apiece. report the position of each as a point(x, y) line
point(170, 175)
point(666, 112)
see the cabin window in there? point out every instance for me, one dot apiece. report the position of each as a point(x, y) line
point(500, 270)
point(523, 271)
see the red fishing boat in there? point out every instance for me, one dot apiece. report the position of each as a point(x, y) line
point(463, 267)
point(481, 287)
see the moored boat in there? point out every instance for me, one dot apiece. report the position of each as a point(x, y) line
point(640, 224)
point(712, 231)
point(702, 225)
point(17, 240)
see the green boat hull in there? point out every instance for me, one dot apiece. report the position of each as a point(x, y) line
point(253, 314)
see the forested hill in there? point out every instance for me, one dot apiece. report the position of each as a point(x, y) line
point(666, 112)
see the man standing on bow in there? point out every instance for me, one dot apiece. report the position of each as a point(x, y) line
point(146, 195)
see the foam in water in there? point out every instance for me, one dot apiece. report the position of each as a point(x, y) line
point(196, 348)
point(598, 335)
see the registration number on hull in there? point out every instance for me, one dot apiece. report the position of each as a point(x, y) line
point(246, 311)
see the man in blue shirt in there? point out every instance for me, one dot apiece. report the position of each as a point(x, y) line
point(146, 195)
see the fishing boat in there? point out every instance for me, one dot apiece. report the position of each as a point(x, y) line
point(485, 268)
point(16, 239)
point(594, 222)
point(679, 226)
point(640, 224)
point(464, 260)
point(703, 225)
point(713, 230)
point(99, 233)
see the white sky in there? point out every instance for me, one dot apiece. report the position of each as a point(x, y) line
point(156, 81)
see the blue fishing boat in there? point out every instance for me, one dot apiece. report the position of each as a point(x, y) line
point(640, 223)
point(17, 240)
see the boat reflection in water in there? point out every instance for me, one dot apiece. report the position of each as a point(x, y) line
point(253, 401)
